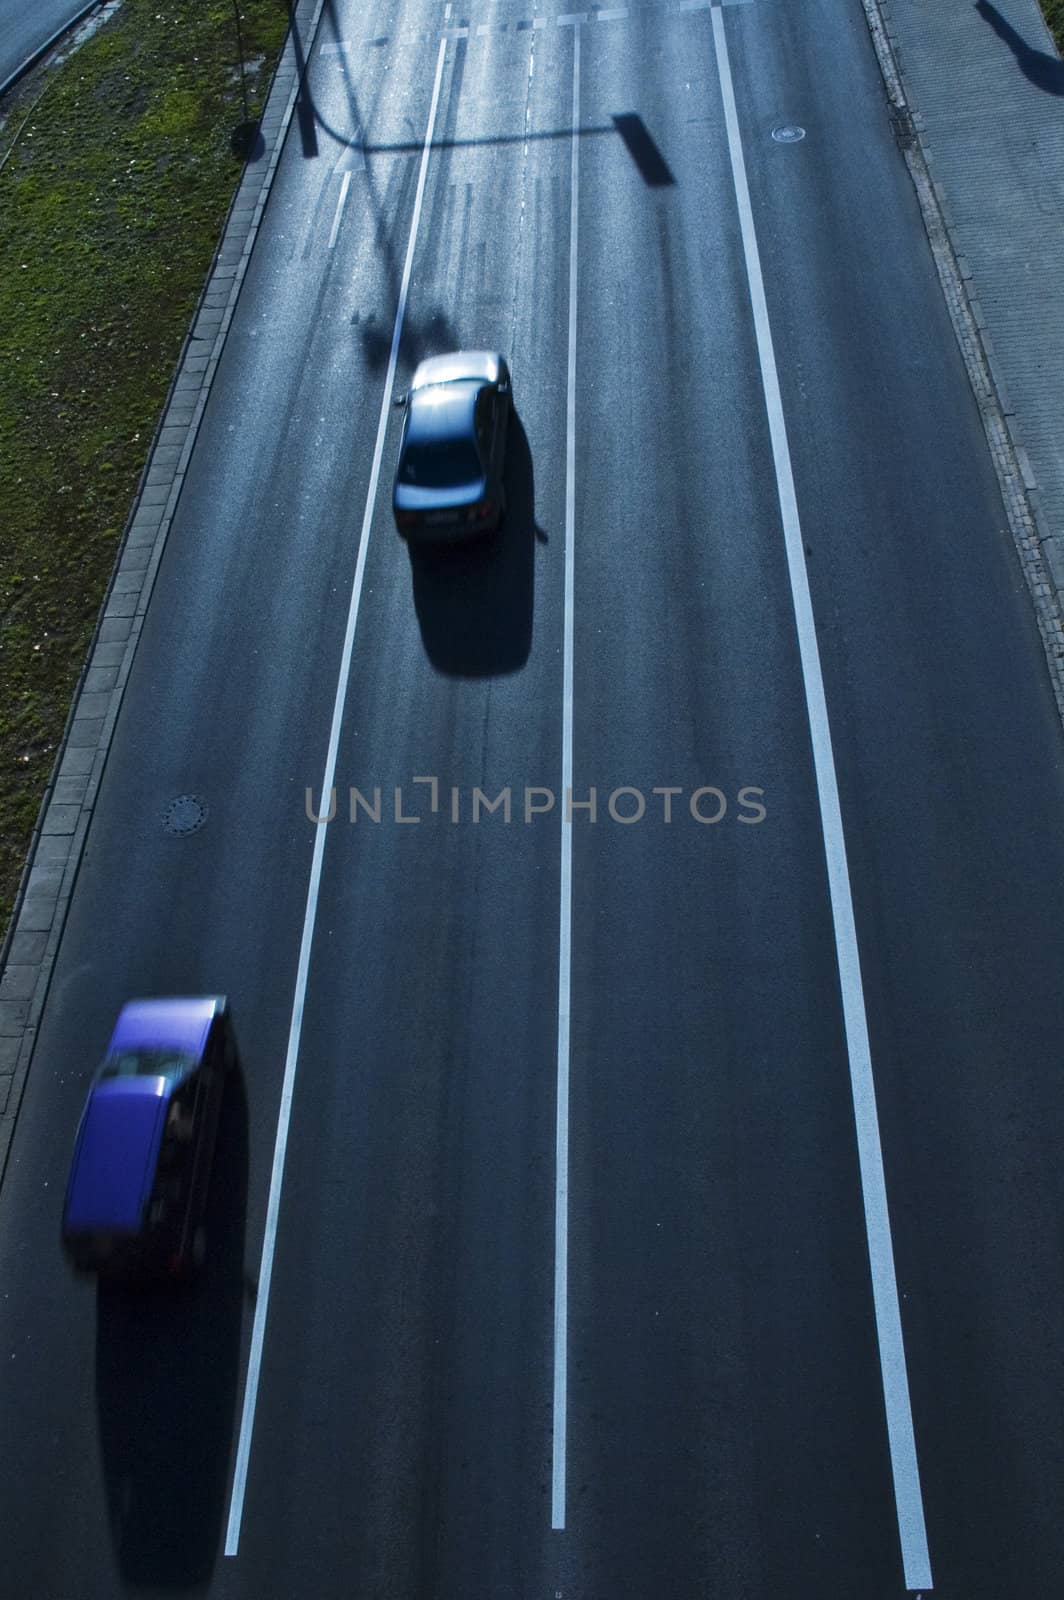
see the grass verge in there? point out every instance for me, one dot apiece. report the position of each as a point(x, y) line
point(117, 175)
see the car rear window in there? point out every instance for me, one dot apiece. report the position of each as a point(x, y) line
point(148, 1064)
point(440, 463)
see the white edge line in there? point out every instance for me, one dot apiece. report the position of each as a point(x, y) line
point(236, 1503)
point(908, 1499)
point(561, 1178)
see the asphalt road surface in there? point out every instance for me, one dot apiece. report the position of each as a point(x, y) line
point(650, 1346)
point(26, 25)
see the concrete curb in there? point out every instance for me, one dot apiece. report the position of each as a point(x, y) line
point(28, 956)
point(1040, 552)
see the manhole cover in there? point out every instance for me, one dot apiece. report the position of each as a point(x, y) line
point(901, 121)
point(788, 133)
point(186, 814)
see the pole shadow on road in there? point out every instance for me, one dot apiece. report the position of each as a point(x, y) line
point(167, 1367)
point(474, 602)
point(431, 332)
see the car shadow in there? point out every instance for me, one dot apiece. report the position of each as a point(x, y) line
point(474, 602)
point(167, 1368)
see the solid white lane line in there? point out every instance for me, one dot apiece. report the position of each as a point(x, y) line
point(251, 1389)
point(561, 1150)
point(344, 186)
point(908, 1499)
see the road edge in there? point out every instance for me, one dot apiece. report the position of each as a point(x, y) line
point(37, 55)
point(27, 958)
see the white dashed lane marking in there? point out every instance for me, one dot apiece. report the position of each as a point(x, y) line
point(566, 19)
point(345, 185)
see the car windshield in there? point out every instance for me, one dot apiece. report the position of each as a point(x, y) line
point(440, 463)
point(148, 1064)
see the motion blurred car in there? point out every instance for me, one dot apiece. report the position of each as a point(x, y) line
point(137, 1190)
point(448, 481)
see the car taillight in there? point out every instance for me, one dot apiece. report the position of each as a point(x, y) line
point(481, 511)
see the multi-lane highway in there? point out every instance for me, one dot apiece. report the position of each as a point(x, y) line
point(583, 1277)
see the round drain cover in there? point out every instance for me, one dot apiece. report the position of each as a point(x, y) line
point(186, 814)
point(788, 134)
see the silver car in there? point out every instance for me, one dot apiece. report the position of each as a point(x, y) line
point(449, 477)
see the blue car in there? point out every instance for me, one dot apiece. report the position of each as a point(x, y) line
point(137, 1191)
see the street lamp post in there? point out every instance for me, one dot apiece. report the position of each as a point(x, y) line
point(244, 137)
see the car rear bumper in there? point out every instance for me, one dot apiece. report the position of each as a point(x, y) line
point(132, 1258)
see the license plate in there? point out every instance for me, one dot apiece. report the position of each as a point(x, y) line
point(437, 517)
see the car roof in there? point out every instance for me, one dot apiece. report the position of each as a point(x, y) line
point(483, 365)
point(114, 1163)
point(176, 1024)
point(442, 411)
